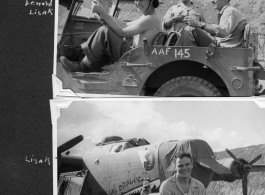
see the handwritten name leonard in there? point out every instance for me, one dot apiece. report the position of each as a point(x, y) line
point(40, 8)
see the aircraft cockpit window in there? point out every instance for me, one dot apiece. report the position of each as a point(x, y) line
point(150, 161)
point(127, 146)
point(131, 143)
point(116, 148)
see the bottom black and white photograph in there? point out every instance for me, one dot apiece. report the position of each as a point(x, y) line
point(158, 146)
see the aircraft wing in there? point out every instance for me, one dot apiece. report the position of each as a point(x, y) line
point(257, 168)
point(213, 165)
point(224, 169)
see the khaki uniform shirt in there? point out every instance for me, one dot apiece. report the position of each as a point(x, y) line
point(171, 186)
point(230, 18)
point(194, 11)
point(229, 31)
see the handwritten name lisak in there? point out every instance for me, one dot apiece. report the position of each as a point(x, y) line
point(36, 160)
point(40, 8)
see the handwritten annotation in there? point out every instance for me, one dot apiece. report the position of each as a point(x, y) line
point(36, 160)
point(40, 8)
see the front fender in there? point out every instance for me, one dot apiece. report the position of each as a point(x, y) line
point(130, 73)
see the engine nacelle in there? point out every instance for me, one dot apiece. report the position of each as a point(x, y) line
point(234, 167)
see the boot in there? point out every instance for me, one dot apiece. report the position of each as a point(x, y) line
point(75, 66)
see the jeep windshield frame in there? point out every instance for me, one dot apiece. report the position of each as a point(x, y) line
point(73, 7)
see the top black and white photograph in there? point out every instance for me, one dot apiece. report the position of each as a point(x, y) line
point(187, 48)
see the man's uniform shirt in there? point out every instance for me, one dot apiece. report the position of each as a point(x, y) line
point(171, 186)
point(194, 11)
point(230, 28)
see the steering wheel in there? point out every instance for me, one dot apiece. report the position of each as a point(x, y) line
point(100, 19)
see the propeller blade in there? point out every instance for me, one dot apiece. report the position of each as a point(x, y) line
point(245, 183)
point(69, 144)
point(233, 156)
point(255, 159)
point(257, 168)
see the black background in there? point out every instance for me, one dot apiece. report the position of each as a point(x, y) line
point(26, 61)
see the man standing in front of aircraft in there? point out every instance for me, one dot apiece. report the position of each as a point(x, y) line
point(229, 30)
point(182, 183)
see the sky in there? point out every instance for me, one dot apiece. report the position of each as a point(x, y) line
point(223, 124)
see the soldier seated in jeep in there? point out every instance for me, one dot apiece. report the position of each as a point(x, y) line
point(108, 44)
point(173, 21)
point(229, 30)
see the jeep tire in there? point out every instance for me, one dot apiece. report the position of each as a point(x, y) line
point(187, 86)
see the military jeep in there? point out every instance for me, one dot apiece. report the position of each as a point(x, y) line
point(159, 69)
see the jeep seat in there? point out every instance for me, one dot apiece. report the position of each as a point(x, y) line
point(166, 39)
point(160, 38)
point(172, 39)
point(246, 35)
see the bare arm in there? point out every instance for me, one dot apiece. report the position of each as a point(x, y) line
point(209, 28)
point(122, 23)
point(170, 21)
point(194, 23)
point(137, 27)
point(221, 30)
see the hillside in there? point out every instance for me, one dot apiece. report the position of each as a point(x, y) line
point(256, 185)
point(254, 10)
